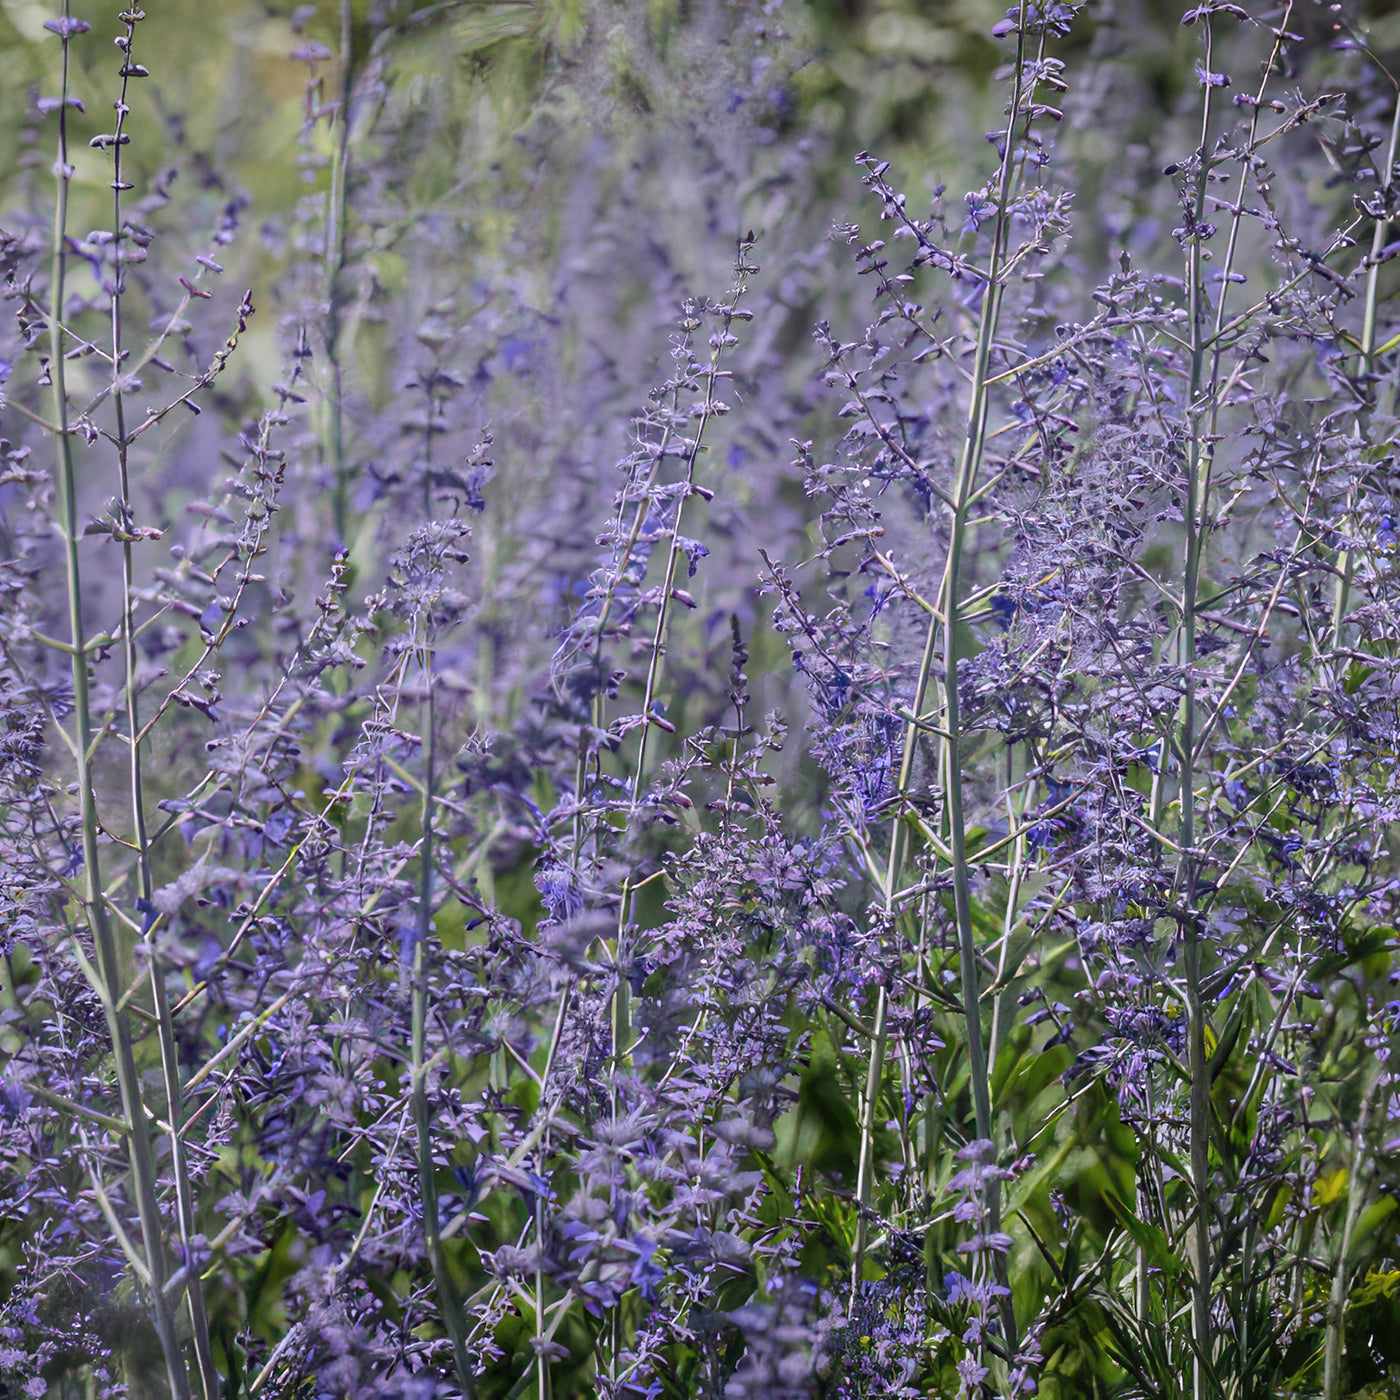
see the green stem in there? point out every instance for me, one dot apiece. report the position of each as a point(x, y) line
point(673, 553)
point(1358, 1191)
point(170, 1062)
point(1200, 455)
point(449, 1295)
point(1379, 235)
point(138, 1135)
point(334, 265)
point(974, 443)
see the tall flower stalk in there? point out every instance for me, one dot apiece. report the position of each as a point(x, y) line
point(109, 980)
point(942, 641)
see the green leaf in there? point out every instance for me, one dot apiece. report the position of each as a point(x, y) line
point(1149, 1238)
point(1357, 675)
point(820, 1131)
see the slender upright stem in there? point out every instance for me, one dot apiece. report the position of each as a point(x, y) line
point(1379, 235)
point(170, 1063)
point(450, 1303)
point(449, 1295)
point(1358, 1193)
point(333, 263)
point(974, 441)
point(541, 1356)
point(1200, 454)
point(109, 963)
point(673, 551)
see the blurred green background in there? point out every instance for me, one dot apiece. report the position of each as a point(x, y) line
point(584, 161)
point(529, 191)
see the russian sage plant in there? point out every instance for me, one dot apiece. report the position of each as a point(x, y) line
point(391, 1005)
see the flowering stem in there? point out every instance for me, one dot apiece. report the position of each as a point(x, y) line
point(165, 1025)
point(1347, 562)
point(1200, 457)
point(449, 1296)
point(719, 342)
point(334, 265)
point(974, 442)
point(109, 969)
point(1358, 1192)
